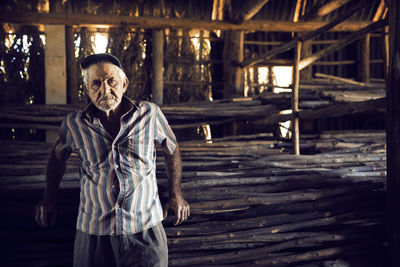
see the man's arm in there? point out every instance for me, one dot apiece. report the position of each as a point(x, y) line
point(46, 209)
point(176, 202)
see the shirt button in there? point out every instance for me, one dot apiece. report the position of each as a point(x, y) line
point(116, 166)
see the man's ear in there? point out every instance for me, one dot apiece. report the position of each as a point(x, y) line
point(125, 84)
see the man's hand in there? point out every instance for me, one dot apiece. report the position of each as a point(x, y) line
point(45, 214)
point(180, 207)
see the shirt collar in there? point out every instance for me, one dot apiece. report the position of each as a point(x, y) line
point(88, 111)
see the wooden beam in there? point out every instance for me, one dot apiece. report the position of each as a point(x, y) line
point(393, 136)
point(250, 8)
point(295, 100)
point(155, 22)
point(342, 43)
point(307, 36)
point(324, 9)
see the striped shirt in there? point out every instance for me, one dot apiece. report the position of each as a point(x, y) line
point(119, 193)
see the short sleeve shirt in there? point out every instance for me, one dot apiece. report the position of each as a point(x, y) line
point(119, 192)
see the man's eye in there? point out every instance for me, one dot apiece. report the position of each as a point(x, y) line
point(95, 85)
point(112, 82)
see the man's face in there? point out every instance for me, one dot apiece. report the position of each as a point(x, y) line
point(105, 86)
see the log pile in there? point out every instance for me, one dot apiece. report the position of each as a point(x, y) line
point(316, 100)
point(252, 203)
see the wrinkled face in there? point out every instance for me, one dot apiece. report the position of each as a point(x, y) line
point(105, 86)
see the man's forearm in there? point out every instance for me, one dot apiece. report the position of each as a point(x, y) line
point(173, 165)
point(54, 173)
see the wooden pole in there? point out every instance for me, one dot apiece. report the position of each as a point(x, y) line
point(233, 74)
point(72, 67)
point(306, 51)
point(393, 135)
point(158, 62)
point(385, 51)
point(295, 101)
point(55, 70)
point(364, 59)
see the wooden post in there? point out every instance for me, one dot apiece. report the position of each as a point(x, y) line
point(55, 65)
point(232, 54)
point(55, 70)
point(385, 51)
point(158, 63)
point(72, 67)
point(306, 51)
point(363, 59)
point(295, 100)
point(393, 135)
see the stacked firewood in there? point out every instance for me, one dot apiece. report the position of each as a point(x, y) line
point(252, 203)
point(315, 101)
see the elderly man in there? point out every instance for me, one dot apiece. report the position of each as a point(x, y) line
point(120, 214)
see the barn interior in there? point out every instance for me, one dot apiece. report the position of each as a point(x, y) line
point(285, 112)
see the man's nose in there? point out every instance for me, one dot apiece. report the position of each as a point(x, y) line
point(105, 88)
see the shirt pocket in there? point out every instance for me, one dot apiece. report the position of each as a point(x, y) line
point(141, 155)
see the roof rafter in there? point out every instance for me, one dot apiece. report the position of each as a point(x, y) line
point(306, 36)
point(324, 9)
point(250, 8)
